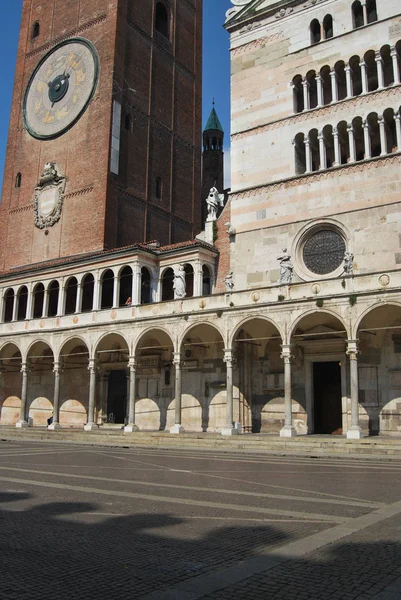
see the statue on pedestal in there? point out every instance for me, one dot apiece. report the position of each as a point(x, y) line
point(286, 268)
point(213, 201)
point(179, 285)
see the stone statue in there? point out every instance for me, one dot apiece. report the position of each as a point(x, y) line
point(229, 281)
point(286, 268)
point(179, 285)
point(49, 174)
point(348, 264)
point(213, 201)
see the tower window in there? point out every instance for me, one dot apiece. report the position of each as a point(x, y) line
point(18, 180)
point(315, 33)
point(159, 188)
point(328, 27)
point(357, 14)
point(371, 9)
point(35, 30)
point(161, 20)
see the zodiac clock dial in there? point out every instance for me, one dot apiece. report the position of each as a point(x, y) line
point(60, 88)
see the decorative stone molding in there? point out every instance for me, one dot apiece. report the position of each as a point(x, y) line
point(284, 12)
point(238, 6)
point(20, 209)
point(49, 196)
point(81, 192)
point(255, 44)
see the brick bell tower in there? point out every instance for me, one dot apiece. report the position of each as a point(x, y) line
point(212, 157)
point(104, 146)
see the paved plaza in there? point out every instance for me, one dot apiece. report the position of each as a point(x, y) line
point(83, 522)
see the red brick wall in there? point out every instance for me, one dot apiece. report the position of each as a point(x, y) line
point(223, 245)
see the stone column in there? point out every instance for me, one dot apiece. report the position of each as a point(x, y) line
point(305, 85)
point(308, 155)
point(136, 284)
point(96, 291)
point(383, 137)
point(366, 137)
point(354, 432)
point(229, 428)
point(56, 399)
point(45, 307)
point(78, 302)
point(365, 12)
point(23, 420)
point(15, 307)
point(92, 396)
point(337, 149)
point(334, 87)
point(396, 66)
point(288, 430)
point(319, 85)
point(351, 140)
point(61, 299)
point(397, 118)
point(348, 77)
point(364, 77)
point(380, 72)
point(322, 152)
point(29, 305)
point(177, 427)
point(131, 427)
point(116, 291)
point(198, 278)
point(2, 306)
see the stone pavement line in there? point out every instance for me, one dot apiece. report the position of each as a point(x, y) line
point(190, 488)
point(189, 502)
point(198, 587)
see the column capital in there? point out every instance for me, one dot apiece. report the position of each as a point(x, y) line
point(26, 367)
point(228, 355)
point(333, 74)
point(306, 139)
point(320, 135)
point(393, 51)
point(350, 128)
point(362, 63)
point(352, 348)
point(335, 131)
point(305, 83)
point(132, 362)
point(92, 366)
point(286, 351)
point(57, 367)
point(397, 116)
point(177, 359)
point(378, 56)
point(318, 77)
point(347, 68)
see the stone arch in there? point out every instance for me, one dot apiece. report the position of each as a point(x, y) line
point(73, 354)
point(112, 351)
point(40, 355)
point(38, 297)
point(70, 291)
point(11, 358)
point(317, 311)
point(244, 321)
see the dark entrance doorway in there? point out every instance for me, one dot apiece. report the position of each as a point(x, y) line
point(327, 397)
point(117, 397)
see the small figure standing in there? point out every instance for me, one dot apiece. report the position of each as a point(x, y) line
point(128, 301)
point(286, 268)
point(229, 281)
point(213, 201)
point(179, 285)
point(348, 264)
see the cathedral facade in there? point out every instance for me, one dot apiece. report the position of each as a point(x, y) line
point(284, 315)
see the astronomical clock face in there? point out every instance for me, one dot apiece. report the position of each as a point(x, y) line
point(60, 88)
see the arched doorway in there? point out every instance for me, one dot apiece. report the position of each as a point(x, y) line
point(319, 371)
point(112, 356)
point(154, 354)
point(259, 376)
point(10, 384)
point(379, 370)
point(40, 383)
point(203, 404)
point(74, 380)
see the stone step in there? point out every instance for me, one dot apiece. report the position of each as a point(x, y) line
point(302, 445)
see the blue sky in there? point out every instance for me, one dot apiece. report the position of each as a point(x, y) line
point(215, 64)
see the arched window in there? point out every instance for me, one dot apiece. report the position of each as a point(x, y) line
point(54, 290)
point(71, 296)
point(161, 20)
point(9, 306)
point(107, 289)
point(167, 285)
point(315, 33)
point(357, 15)
point(18, 180)
point(125, 287)
point(22, 299)
point(371, 9)
point(35, 30)
point(88, 286)
point(38, 299)
point(146, 296)
point(159, 188)
point(206, 281)
point(300, 156)
point(298, 92)
point(328, 27)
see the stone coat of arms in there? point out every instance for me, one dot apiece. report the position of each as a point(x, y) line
point(48, 198)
